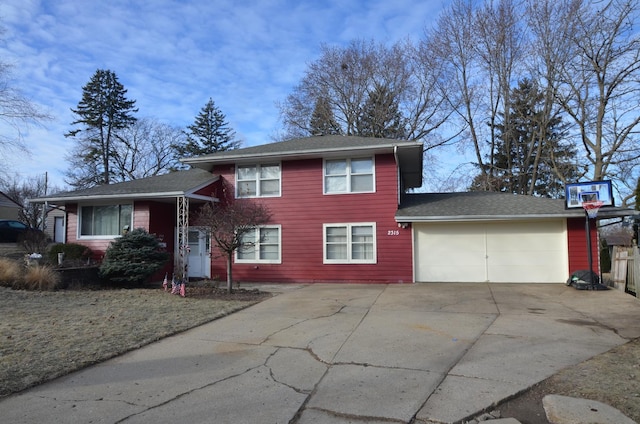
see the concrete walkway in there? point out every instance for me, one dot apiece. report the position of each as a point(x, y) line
point(418, 353)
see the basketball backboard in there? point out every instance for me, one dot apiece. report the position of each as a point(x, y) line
point(590, 191)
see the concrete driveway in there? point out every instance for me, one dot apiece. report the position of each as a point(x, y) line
point(346, 354)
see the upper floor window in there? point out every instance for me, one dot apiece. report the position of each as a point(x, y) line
point(349, 176)
point(105, 220)
point(258, 180)
point(260, 245)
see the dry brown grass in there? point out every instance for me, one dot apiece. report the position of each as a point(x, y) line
point(39, 277)
point(10, 272)
point(44, 335)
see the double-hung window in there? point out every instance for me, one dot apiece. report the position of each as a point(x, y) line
point(258, 180)
point(262, 244)
point(349, 176)
point(105, 220)
point(350, 243)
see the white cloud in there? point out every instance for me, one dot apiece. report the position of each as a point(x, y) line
point(172, 56)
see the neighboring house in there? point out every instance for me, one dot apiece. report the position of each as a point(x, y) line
point(340, 213)
point(8, 208)
point(55, 224)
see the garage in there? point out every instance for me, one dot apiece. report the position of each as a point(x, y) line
point(497, 252)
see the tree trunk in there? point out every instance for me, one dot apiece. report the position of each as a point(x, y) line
point(229, 276)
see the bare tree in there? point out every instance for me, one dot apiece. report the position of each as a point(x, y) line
point(229, 222)
point(479, 49)
point(599, 88)
point(345, 81)
point(451, 44)
point(17, 113)
point(551, 24)
point(145, 149)
point(20, 191)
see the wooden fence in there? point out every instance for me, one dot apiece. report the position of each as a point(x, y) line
point(625, 269)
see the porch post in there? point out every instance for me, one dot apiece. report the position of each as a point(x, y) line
point(181, 258)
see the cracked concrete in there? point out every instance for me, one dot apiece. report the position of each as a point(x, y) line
point(423, 353)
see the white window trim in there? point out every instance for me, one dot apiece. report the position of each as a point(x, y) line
point(349, 260)
point(348, 175)
point(257, 245)
point(257, 180)
point(80, 236)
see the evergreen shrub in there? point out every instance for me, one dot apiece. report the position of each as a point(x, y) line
point(133, 258)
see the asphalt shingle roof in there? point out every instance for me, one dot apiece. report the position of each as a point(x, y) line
point(166, 184)
point(478, 206)
point(309, 145)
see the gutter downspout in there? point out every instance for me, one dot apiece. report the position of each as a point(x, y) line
point(395, 156)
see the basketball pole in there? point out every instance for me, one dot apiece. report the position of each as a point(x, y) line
point(589, 252)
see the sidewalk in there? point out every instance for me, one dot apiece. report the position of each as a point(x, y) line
point(346, 354)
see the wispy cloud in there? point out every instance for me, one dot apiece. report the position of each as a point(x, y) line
point(174, 55)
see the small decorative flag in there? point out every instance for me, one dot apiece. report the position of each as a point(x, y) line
point(174, 286)
point(182, 290)
point(165, 283)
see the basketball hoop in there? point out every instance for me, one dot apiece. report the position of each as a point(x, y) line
point(592, 208)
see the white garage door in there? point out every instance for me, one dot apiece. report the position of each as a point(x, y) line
point(497, 252)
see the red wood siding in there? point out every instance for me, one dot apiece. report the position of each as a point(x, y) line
point(162, 223)
point(98, 247)
point(302, 210)
point(577, 242)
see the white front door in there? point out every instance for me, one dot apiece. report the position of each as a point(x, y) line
point(58, 229)
point(199, 260)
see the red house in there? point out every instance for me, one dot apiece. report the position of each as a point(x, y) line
point(341, 212)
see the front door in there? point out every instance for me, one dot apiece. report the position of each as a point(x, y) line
point(58, 229)
point(199, 259)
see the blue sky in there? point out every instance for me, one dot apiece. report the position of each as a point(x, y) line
point(172, 56)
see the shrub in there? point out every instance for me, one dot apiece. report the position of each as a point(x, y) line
point(10, 272)
point(34, 241)
point(72, 252)
point(39, 277)
point(133, 258)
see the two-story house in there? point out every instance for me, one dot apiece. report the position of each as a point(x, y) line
point(333, 202)
point(341, 212)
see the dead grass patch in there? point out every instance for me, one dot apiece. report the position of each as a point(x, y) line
point(39, 277)
point(10, 272)
point(44, 335)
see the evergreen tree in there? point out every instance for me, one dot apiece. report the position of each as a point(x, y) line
point(323, 121)
point(530, 156)
point(103, 111)
point(380, 115)
point(209, 133)
point(133, 258)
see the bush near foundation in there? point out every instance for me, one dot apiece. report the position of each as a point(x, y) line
point(133, 258)
point(73, 252)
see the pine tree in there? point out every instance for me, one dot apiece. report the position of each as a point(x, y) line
point(530, 156)
point(209, 133)
point(323, 121)
point(103, 111)
point(380, 116)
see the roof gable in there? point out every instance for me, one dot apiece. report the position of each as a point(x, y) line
point(7, 202)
